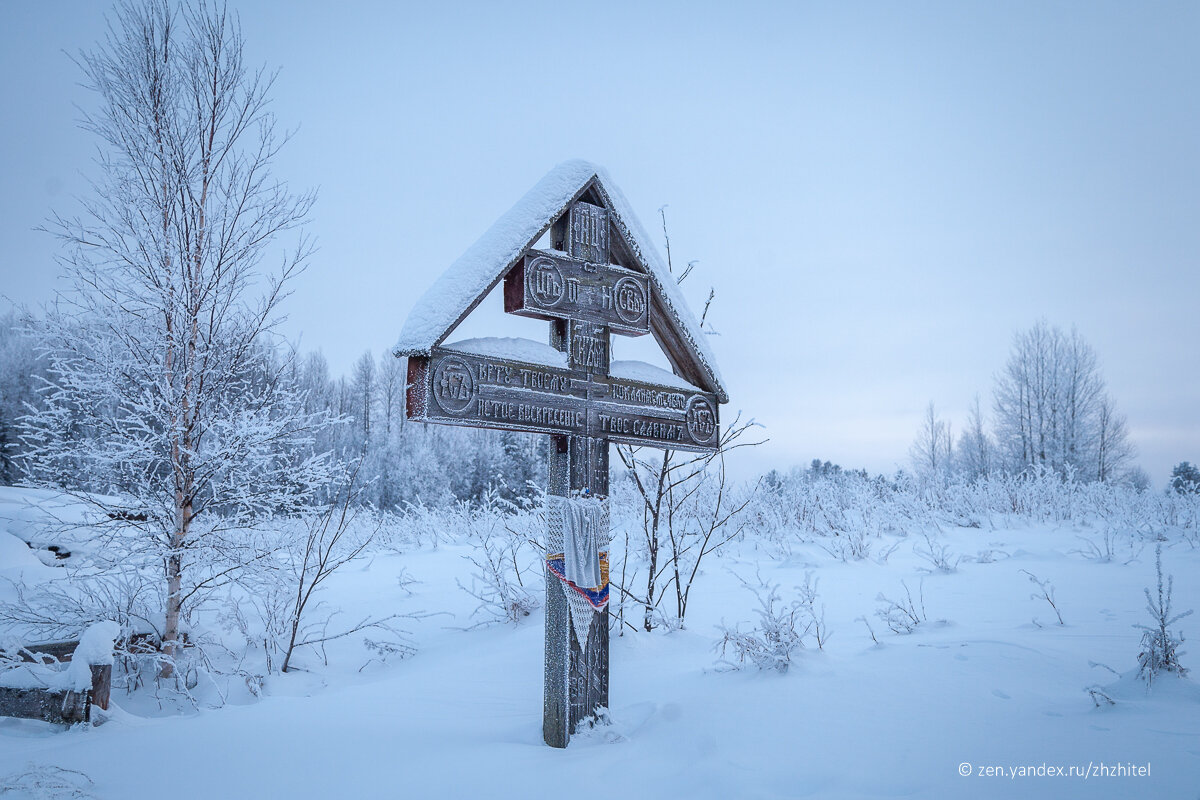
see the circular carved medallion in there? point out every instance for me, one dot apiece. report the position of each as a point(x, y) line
point(701, 419)
point(453, 385)
point(545, 282)
point(630, 300)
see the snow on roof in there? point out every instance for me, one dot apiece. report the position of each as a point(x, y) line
point(526, 350)
point(476, 271)
point(481, 267)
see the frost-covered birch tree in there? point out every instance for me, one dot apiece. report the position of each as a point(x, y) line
point(973, 454)
point(166, 386)
point(933, 448)
point(1052, 410)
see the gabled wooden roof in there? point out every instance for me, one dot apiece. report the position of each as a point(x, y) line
point(469, 279)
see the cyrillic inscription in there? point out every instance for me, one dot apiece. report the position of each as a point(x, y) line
point(551, 285)
point(532, 414)
point(545, 283)
point(589, 233)
point(630, 300)
point(589, 347)
point(634, 395)
point(484, 391)
point(638, 427)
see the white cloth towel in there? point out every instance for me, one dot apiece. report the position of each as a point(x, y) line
point(581, 542)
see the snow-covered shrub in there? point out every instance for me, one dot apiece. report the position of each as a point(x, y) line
point(1100, 548)
point(1160, 645)
point(988, 556)
point(681, 509)
point(845, 513)
point(902, 616)
point(277, 602)
point(769, 643)
point(806, 600)
point(505, 556)
point(853, 545)
point(938, 555)
point(1100, 697)
point(385, 649)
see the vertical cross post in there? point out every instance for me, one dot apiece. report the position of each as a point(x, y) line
point(576, 673)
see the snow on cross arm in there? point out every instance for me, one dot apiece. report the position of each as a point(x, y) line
point(512, 349)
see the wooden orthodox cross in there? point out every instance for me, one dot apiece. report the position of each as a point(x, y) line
point(585, 297)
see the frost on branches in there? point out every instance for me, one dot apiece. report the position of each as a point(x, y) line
point(166, 391)
point(1161, 647)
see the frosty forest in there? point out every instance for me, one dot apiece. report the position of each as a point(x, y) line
point(309, 585)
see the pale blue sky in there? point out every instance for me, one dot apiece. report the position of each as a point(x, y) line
point(881, 194)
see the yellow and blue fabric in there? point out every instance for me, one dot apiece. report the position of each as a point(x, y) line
point(597, 596)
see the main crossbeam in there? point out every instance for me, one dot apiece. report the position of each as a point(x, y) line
point(458, 388)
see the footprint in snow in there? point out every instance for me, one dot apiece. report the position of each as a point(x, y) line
point(1001, 694)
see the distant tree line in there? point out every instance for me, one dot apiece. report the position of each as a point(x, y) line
point(410, 462)
point(1051, 410)
point(21, 373)
point(403, 462)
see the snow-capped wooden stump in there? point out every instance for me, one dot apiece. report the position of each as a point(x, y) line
point(61, 696)
point(601, 275)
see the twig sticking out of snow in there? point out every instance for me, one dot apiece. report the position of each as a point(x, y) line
point(902, 616)
point(871, 631)
point(938, 555)
point(1100, 697)
point(1046, 592)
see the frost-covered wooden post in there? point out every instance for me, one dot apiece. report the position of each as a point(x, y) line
point(601, 275)
point(576, 668)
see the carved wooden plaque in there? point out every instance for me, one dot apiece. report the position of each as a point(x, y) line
point(551, 285)
point(457, 388)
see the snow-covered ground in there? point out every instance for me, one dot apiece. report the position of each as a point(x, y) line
point(989, 681)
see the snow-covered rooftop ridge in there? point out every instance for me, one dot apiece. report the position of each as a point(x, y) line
point(485, 262)
point(648, 373)
point(513, 349)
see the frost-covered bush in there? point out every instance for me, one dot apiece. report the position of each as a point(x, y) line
point(506, 557)
point(279, 603)
point(779, 631)
point(939, 556)
point(769, 643)
point(902, 616)
point(1160, 645)
point(846, 512)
